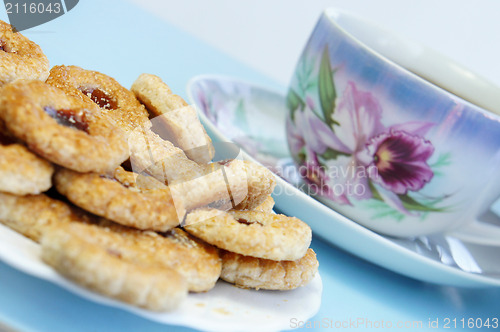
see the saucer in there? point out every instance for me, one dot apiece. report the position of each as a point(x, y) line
point(253, 117)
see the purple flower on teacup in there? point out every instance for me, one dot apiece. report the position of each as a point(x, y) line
point(308, 134)
point(347, 176)
point(347, 153)
point(358, 118)
point(309, 130)
point(400, 161)
point(316, 176)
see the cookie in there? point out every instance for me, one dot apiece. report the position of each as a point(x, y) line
point(266, 206)
point(32, 215)
point(258, 273)
point(173, 118)
point(149, 153)
point(21, 171)
point(93, 87)
point(197, 262)
point(156, 95)
point(147, 149)
point(260, 184)
point(61, 128)
point(223, 183)
point(251, 233)
point(92, 257)
point(126, 198)
point(191, 184)
point(20, 58)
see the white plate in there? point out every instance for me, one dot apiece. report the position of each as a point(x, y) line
point(224, 308)
point(254, 118)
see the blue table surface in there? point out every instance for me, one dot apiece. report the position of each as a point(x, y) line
point(123, 41)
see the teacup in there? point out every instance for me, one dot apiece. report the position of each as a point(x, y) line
point(392, 135)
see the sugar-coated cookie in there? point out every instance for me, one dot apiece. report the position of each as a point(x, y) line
point(197, 261)
point(61, 128)
point(174, 118)
point(20, 58)
point(32, 215)
point(266, 206)
point(251, 272)
point(251, 233)
point(127, 198)
point(92, 257)
point(21, 171)
point(260, 184)
point(96, 88)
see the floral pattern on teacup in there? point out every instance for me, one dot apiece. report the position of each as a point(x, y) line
point(347, 154)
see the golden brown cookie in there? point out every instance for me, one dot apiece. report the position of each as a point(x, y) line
point(160, 158)
point(149, 153)
point(156, 95)
point(197, 261)
point(173, 118)
point(260, 184)
point(147, 149)
point(251, 272)
point(21, 171)
point(192, 184)
point(93, 87)
point(96, 258)
point(20, 58)
point(61, 128)
point(251, 233)
point(127, 198)
point(247, 185)
point(32, 215)
point(266, 206)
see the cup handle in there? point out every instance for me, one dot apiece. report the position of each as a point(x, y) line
point(479, 233)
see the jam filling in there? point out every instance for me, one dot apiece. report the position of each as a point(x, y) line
point(69, 118)
point(101, 98)
point(6, 140)
point(226, 162)
point(246, 222)
point(3, 46)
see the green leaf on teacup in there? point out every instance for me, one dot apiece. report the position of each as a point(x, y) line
point(306, 79)
point(375, 194)
point(411, 204)
point(332, 154)
point(326, 85)
point(390, 213)
point(382, 210)
point(293, 102)
point(301, 156)
point(443, 160)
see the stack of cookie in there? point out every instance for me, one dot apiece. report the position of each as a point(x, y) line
point(119, 188)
